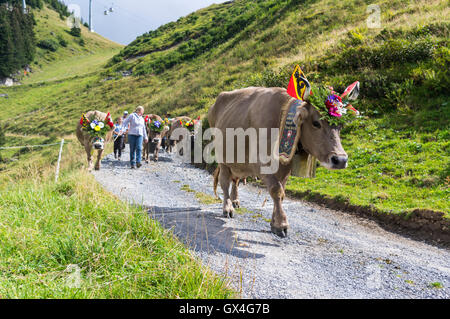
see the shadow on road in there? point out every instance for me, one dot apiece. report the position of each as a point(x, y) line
point(111, 162)
point(203, 231)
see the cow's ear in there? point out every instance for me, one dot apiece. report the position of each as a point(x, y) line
point(301, 114)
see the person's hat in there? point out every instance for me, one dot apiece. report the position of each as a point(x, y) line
point(126, 112)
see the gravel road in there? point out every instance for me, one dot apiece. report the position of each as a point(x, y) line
point(328, 254)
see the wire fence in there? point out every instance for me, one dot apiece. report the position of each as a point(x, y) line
point(28, 146)
point(61, 144)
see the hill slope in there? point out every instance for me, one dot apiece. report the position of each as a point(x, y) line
point(73, 56)
point(399, 155)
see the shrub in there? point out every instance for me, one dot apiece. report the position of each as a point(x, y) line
point(48, 44)
point(62, 42)
point(76, 32)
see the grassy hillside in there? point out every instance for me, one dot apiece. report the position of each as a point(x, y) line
point(73, 55)
point(399, 152)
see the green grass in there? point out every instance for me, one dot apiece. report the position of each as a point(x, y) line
point(436, 285)
point(71, 58)
point(46, 228)
point(120, 251)
point(82, 64)
point(394, 170)
point(203, 198)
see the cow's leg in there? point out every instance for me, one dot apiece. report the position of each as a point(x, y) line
point(88, 149)
point(145, 152)
point(157, 147)
point(99, 158)
point(279, 224)
point(224, 180)
point(235, 194)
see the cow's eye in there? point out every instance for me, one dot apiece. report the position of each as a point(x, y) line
point(316, 124)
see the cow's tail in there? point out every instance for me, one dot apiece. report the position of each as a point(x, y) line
point(216, 180)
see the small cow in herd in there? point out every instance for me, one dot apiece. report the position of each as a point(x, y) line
point(261, 108)
point(90, 142)
point(154, 138)
point(175, 124)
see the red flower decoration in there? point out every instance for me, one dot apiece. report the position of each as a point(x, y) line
point(108, 120)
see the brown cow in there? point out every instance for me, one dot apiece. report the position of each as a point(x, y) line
point(90, 142)
point(173, 126)
point(154, 139)
point(261, 108)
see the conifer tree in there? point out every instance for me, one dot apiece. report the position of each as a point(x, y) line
point(6, 44)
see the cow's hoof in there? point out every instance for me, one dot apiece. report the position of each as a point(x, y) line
point(279, 231)
point(97, 168)
point(146, 161)
point(236, 204)
point(229, 214)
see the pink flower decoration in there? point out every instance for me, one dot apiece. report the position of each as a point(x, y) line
point(334, 103)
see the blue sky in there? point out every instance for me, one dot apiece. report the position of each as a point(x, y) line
point(132, 18)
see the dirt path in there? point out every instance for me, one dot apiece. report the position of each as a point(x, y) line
point(328, 254)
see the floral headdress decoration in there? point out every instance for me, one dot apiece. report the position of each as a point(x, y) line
point(96, 127)
point(189, 124)
point(167, 122)
point(334, 108)
point(155, 125)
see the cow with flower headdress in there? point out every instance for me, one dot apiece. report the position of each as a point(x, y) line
point(157, 128)
point(93, 131)
point(307, 121)
point(180, 122)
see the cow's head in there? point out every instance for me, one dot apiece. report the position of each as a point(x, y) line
point(98, 142)
point(319, 139)
point(156, 137)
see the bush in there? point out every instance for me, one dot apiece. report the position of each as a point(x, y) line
point(76, 32)
point(62, 42)
point(48, 44)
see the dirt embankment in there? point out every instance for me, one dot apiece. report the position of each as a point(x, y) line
point(423, 224)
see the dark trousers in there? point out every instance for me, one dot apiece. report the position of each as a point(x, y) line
point(118, 146)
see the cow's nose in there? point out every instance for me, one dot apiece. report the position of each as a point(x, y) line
point(339, 161)
point(156, 140)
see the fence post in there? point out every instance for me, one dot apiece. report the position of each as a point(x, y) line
point(59, 160)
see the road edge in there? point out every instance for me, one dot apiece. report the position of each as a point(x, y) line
point(419, 224)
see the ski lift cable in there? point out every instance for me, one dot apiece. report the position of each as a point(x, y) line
point(126, 11)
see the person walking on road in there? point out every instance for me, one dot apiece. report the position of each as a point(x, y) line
point(119, 137)
point(125, 139)
point(137, 134)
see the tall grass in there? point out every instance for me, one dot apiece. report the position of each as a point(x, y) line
point(72, 239)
